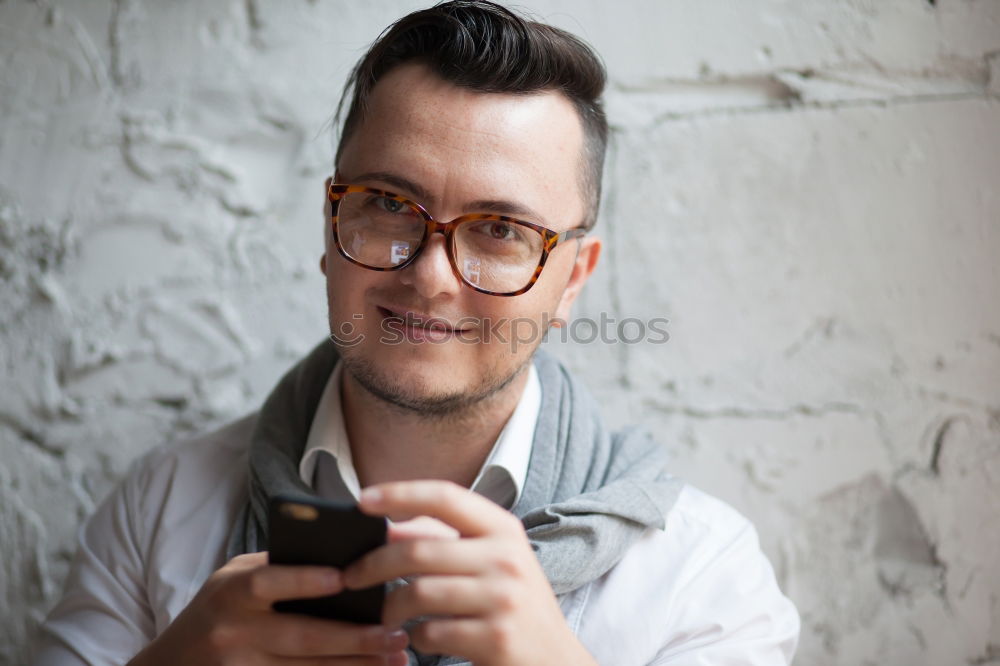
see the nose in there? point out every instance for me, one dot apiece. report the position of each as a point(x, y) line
point(431, 273)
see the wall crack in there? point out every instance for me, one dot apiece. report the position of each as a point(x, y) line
point(757, 413)
point(815, 105)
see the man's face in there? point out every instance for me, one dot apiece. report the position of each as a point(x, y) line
point(455, 152)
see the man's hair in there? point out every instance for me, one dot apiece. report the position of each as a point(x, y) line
point(482, 46)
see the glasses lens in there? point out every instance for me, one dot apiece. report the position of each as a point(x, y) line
point(497, 255)
point(378, 231)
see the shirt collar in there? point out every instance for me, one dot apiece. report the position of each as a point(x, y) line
point(328, 468)
point(328, 436)
point(502, 476)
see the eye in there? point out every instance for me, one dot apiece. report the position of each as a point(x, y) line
point(501, 231)
point(389, 205)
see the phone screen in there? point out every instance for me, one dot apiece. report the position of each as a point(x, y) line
point(312, 531)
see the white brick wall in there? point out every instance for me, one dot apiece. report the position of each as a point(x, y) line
point(817, 189)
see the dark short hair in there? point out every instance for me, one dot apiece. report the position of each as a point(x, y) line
point(482, 46)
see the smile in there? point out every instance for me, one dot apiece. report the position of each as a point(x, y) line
point(417, 326)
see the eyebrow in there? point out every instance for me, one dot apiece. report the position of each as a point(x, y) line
point(407, 186)
point(497, 206)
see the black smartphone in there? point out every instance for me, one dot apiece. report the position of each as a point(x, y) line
point(306, 530)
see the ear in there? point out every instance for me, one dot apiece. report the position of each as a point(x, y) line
point(586, 262)
point(327, 211)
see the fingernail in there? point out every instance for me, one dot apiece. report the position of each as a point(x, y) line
point(390, 640)
point(333, 579)
point(397, 639)
point(371, 495)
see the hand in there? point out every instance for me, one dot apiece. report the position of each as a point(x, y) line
point(495, 606)
point(230, 621)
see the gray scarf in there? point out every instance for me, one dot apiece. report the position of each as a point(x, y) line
point(588, 495)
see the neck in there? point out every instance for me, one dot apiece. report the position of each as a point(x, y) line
point(392, 443)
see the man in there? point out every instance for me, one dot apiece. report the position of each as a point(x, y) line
point(467, 181)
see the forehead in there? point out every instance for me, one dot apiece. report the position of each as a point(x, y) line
point(461, 145)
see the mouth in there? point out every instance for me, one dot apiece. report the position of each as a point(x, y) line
point(418, 327)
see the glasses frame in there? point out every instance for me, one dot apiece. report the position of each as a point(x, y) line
point(550, 239)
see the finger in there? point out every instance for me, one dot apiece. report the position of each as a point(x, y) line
point(289, 635)
point(462, 637)
point(443, 595)
point(421, 527)
point(264, 585)
point(455, 557)
point(246, 561)
point(470, 513)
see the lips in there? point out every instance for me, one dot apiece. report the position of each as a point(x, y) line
point(419, 326)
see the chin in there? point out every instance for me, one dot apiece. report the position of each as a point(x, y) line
point(428, 381)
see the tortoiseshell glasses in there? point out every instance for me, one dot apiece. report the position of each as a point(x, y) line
point(493, 254)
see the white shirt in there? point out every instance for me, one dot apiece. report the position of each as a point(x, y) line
point(327, 465)
point(698, 593)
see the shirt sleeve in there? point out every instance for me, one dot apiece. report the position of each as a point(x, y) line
point(103, 616)
point(732, 613)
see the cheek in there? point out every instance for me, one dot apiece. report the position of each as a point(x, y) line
point(524, 318)
point(546, 293)
point(345, 284)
